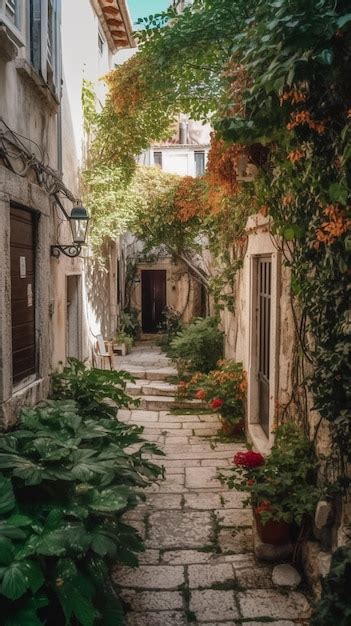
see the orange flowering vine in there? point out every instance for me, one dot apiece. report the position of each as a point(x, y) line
point(332, 228)
point(304, 117)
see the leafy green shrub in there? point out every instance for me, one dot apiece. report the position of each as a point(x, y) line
point(66, 479)
point(335, 605)
point(171, 326)
point(198, 346)
point(129, 323)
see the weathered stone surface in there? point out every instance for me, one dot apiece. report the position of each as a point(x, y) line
point(179, 529)
point(215, 605)
point(266, 603)
point(185, 557)
point(164, 501)
point(323, 514)
point(149, 557)
point(152, 600)
point(254, 578)
point(206, 576)
point(149, 577)
point(234, 517)
point(233, 499)
point(163, 618)
point(204, 477)
point(143, 416)
point(202, 501)
point(184, 522)
point(316, 565)
point(279, 623)
point(235, 541)
point(285, 575)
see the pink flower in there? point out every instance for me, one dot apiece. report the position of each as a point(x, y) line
point(248, 459)
point(217, 403)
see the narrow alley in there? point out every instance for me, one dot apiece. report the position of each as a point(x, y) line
point(198, 564)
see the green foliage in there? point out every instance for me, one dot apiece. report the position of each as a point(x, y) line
point(284, 485)
point(129, 323)
point(66, 479)
point(171, 326)
point(335, 605)
point(198, 346)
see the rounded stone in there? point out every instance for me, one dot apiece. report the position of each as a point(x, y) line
point(286, 575)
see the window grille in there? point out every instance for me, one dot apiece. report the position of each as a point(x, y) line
point(199, 163)
point(158, 159)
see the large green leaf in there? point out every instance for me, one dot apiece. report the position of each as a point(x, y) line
point(27, 615)
point(108, 501)
point(7, 497)
point(75, 592)
point(6, 551)
point(19, 577)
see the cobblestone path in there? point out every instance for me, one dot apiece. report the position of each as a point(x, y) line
point(199, 565)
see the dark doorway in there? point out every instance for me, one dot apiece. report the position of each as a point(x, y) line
point(22, 245)
point(264, 338)
point(153, 287)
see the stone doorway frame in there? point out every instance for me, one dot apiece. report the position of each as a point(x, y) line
point(261, 244)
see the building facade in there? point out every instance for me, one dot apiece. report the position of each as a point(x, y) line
point(44, 300)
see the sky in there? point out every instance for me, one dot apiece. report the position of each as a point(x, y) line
point(143, 8)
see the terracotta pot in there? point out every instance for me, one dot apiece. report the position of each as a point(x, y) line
point(232, 430)
point(273, 532)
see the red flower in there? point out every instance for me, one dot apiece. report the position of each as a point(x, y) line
point(200, 394)
point(264, 506)
point(217, 403)
point(250, 483)
point(249, 459)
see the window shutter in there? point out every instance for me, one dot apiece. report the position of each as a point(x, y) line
point(44, 39)
point(58, 49)
point(35, 34)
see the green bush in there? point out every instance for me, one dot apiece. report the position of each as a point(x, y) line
point(335, 605)
point(129, 323)
point(66, 479)
point(198, 346)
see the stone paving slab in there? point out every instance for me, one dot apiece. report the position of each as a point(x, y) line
point(149, 577)
point(268, 603)
point(211, 604)
point(163, 618)
point(209, 575)
point(182, 529)
point(152, 600)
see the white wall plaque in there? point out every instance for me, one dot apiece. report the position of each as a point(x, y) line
point(23, 267)
point(29, 295)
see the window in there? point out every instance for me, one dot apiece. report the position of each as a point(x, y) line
point(158, 159)
point(45, 41)
point(11, 16)
point(199, 163)
point(101, 43)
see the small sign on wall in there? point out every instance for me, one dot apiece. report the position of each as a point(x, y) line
point(23, 267)
point(29, 295)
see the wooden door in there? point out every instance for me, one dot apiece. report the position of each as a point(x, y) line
point(153, 286)
point(264, 339)
point(22, 247)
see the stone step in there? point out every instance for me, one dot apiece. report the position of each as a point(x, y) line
point(151, 388)
point(164, 403)
point(156, 374)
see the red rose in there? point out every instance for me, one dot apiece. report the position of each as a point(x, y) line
point(249, 459)
point(200, 394)
point(217, 403)
point(250, 483)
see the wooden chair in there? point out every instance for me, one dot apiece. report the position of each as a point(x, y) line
point(103, 350)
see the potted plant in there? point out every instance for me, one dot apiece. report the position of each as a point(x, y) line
point(122, 343)
point(281, 487)
point(224, 389)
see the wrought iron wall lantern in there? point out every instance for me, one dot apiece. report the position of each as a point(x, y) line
point(78, 221)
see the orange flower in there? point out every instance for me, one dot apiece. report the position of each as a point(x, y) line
point(287, 199)
point(200, 394)
point(296, 155)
